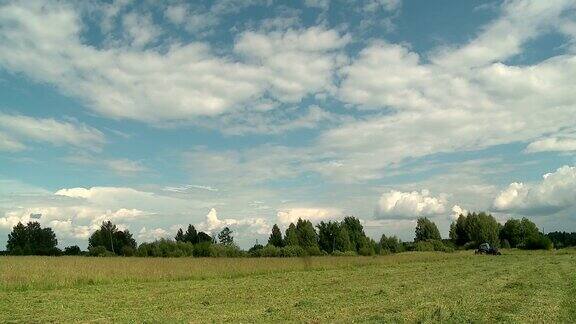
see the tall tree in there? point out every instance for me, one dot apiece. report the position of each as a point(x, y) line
point(275, 238)
point(112, 239)
point(32, 239)
point(327, 234)
point(306, 234)
point(204, 238)
point(426, 230)
point(180, 236)
point(225, 236)
point(355, 231)
point(191, 235)
point(291, 236)
point(343, 243)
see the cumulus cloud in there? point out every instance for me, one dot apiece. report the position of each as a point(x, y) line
point(556, 192)
point(315, 215)
point(409, 205)
point(253, 225)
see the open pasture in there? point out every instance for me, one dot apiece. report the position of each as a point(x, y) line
point(518, 286)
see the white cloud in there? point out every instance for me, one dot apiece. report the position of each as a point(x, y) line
point(409, 205)
point(520, 22)
point(457, 211)
point(147, 235)
point(42, 40)
point(253, 225)
point(46, 130)
point(556, 192)
point(315, 215)
point(140, 29)
point(552, 144)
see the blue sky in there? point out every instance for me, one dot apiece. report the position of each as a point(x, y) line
point(250, 113)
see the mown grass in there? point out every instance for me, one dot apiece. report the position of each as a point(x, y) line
point(410, 287)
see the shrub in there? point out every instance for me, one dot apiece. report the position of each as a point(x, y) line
point(423, 246)
point(314, 251)
point(202, 249)
point(292, 251)
point(225, 251)
point(99, 251)
point(537, 242)
point(72, 250)
point(269, 251)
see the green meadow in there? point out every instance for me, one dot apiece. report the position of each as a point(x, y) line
point(519, 286)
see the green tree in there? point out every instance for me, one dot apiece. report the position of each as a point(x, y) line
point(32, 239)
point(307, 237)
point(482, 228)
point(180, 236)
point(343, 243)
point(204, 238)
point(355, 231)
point(291, 236)
point(72, 250)
point(517, 232)
point(112, 239)
point(275, 238)
point(426, 230)
point(327, 234)
point(458, 233)
point(191, 235)
point(390, 244)
point(225, 236)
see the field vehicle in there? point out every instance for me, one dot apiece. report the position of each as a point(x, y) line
point(485, 248)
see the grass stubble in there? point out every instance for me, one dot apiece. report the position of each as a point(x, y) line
point(519, 286)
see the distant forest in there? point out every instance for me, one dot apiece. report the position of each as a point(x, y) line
point(338, 238)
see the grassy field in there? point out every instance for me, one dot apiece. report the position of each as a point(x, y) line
point(410, 287)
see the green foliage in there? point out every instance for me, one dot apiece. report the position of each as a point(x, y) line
point(191, 235)
point(474, 229)
point(307, 237)
point(291, 236)
point(426, 230)
point(292, 251)
point(225, 236)
point(343, 242)
point(204, 238)
point(275, 238)
point(537, 242)
point(164, 248)
point(327, 234)
point(180, 236)
point(390, 244)
point(269, 251)
point(32, 239)
point(112, 239)
point(225, 250)
point(202, 249)
point(518, 231)
point(355, 231)
point(99, 251)
point(72, 250)
point(431, 245)
point(347, 253)
point(562, 239)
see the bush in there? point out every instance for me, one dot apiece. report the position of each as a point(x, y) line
point(162, 248)
point(505, 244)
point(366, 251)
point(314, 251)
point(292, 251)
point(99, 251)
point(269, 251)
point(202, 249)
point(423, 246)
point(225, 251)
point(72, 250)
point(537, 242)
point(432, 245)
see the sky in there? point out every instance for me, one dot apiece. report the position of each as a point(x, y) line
point(250, 113)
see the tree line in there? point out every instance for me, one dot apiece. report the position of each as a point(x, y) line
point(345, 237)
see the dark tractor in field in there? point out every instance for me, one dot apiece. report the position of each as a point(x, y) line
point(485, 248)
